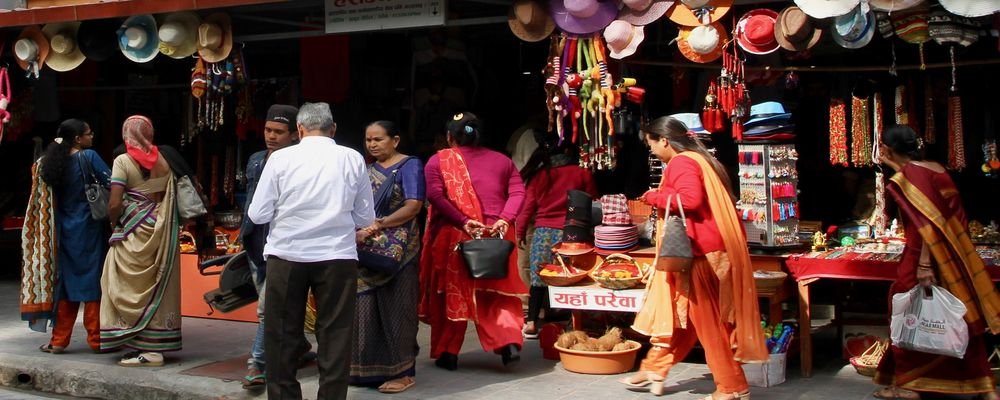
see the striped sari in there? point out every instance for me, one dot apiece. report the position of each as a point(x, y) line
point(141, 281)
point(932, 213)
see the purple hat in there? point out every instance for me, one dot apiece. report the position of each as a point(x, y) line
point(582, 17)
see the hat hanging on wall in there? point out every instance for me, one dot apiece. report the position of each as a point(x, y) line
point(820, 9)
point(911, 24)
point(179, 34)
point(31, 49)
point(529, 21)
point(698, 12)
point(215, 38)
point(643, 12)
point(947, 28)
point(971, 8)
point(795, 31)
point(622, 38)
point(64, 52)
point(855, 30)
point(899, 5)
point(583, 16)
point(137, 38)
point(98, 39)
point(755, 31)
point(702, 44)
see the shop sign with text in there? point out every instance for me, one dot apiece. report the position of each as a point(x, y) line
point(595, 298)
point(374, 15)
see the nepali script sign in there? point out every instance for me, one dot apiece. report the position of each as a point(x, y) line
point(373, 15)
point(595, 298)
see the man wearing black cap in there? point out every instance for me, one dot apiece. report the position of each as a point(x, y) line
point(279, 132)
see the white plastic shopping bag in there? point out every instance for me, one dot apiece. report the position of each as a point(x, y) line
point(929, 324)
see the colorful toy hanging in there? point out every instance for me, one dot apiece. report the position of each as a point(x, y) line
point(734, 98)
point(991, 163)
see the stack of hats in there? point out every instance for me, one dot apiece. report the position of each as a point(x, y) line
point(768, 121)
point(617, 233)
point(577, 236)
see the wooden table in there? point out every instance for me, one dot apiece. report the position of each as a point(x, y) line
point(810, 267)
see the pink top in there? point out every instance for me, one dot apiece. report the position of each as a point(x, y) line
point(546, 200)
point(495, 179)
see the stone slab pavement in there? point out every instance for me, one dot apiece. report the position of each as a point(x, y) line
point(81, 373)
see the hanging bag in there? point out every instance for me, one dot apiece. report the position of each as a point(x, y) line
point(675, 247)
point(931, 323)
point(383, 252)
point(189, 203)
point(97, 194)
point(488, 257)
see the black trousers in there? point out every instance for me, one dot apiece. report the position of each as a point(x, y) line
point(334, 284)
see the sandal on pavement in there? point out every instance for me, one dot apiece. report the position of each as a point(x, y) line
point(895, 393)
point(633, 382)
point(730, 396)
point(146, 359)
point(397, 385)
point(49, 348)
point(254, 379)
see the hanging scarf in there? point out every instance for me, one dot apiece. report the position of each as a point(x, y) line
point(38, 248)
point(137, 131)
point(838, 132)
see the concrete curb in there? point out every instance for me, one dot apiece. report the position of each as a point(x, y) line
point(81, 379)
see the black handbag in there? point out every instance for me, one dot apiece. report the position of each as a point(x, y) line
point(487, 258)
point(97, 194)
point(675, 247)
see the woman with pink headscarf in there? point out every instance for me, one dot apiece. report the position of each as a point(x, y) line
point(141, 281)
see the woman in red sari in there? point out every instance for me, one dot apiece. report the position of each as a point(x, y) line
point(938, 252)
point(472, 190)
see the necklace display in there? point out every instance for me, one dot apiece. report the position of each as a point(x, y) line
point(838, 132)
point(860, 132)
point(956, 132)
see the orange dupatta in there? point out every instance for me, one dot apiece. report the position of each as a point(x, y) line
point(737, 290)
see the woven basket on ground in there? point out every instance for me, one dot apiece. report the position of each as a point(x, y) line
point(867, 362)
point(609, 282)
point(769, 281)
point(994, 361)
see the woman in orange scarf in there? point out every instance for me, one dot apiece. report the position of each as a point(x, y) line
point(472, 190)
point(938, 252)
point(715, 301)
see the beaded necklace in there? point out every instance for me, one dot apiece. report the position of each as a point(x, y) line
point(838, 132)
point(860, 132)
point(956, 134)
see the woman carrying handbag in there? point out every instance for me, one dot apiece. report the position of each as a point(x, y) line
point(473, 191)
point(711, 298)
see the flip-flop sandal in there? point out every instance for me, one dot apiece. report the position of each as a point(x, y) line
point(397, 385)
point(49, 348)
point(254, 381)
point(891, 393)
point(141, 360)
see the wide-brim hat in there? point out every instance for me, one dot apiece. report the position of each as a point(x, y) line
point(826, 8)
point(755, 31)
point(855, 30)
point(40, 47)
point(768, 112)
point(573, 248)
point(971, 8)
point(702, 44)
point(794, 30)
point(692, 121)
point(899, 5)
point(215, 37)
point(98, 39)
point(596, 15)
point(911, 24)
point(654, 10)
point(770, 129)
point(529, 21)
point(947, 28)
point(64, 52)
point(702, 12)
point(622, 38)
point(144, 45)
point(178, 34)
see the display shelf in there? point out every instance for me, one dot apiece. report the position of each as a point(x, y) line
point(768, 203)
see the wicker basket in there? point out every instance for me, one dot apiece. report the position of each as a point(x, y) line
point(769, 281)
point(617, 283)
point(867, 362)
point(994, 361)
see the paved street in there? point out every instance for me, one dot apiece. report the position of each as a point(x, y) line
point(480, 375)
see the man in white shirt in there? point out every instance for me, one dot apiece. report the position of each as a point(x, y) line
point(314, 196)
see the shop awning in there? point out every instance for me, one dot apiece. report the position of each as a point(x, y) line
point(28, 12)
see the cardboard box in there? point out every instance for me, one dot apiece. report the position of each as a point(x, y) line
point(769, 374)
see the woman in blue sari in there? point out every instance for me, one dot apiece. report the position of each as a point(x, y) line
point(385, 324)
point(68, 165)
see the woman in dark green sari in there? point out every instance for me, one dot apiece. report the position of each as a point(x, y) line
point(385, 324)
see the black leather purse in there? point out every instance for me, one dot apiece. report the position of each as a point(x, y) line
point(487, 258)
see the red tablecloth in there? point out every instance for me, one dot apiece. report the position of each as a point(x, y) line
point(838, 264)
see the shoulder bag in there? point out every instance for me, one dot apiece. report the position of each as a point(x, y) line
point(189, 203)
point(97, 194)
point(487, 258)
point(675, 246)
point(383, 252)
